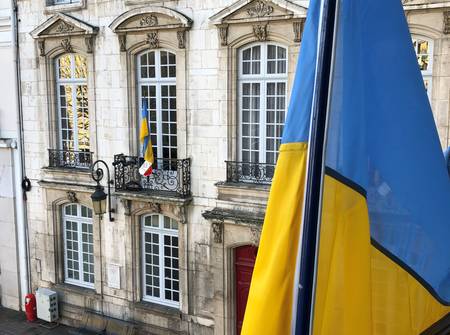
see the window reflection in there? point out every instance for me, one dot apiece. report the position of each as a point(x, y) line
point(73, 102)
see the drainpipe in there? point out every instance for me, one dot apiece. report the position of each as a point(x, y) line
point(19, 172)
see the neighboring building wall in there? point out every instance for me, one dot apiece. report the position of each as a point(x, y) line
point(9, 270)
point(425, 20)
point(221, 212)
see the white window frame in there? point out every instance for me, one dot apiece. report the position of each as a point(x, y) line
point(73, 82)
point(428, 74)
point(263, 78)
point(65, 2)
point(161, 232)
point(79, 220)
point(158, 82)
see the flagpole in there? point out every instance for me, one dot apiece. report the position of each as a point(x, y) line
point(313, 193)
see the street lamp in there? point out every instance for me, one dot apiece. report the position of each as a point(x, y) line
point(99, 196)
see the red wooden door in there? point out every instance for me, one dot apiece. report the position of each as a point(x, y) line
point(244, 262)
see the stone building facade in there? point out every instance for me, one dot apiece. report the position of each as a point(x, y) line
point(215, 76)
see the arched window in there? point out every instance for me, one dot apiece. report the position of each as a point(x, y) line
point(160, 268)
point(78, 245)
point(72, 100)
point(424, 51)
point(156, 73)
point(262, 83)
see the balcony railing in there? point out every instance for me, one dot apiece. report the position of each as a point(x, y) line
point(69, 159)
point(252, 173)
point(170, 176)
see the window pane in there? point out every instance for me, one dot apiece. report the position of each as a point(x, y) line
point(80, 67)
point(64, 64)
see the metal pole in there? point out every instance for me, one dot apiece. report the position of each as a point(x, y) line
point(313, 193)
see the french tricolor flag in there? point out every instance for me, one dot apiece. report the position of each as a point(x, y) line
point(146, 169)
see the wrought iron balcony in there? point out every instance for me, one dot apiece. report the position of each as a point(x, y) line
point(252, 173)
point(69, 159)
point(170, 176)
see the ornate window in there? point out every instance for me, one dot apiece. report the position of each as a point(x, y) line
point(424, 51)
point(157, 86)
point(73, 111)
point(160, 268)
point(78, 245)
point(262, 101)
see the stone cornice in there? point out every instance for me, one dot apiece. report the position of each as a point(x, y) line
point(63, 25)
point(258, 10)
point(149, 18)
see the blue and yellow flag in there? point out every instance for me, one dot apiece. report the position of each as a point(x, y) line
point(144, 137)
point(383, 264)
point(270, 301)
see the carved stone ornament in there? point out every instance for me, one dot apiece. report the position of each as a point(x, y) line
point(181, 36)
point(148, 21)
point(447, 22)
point(89, 41)
point(260, 31)
point(217, 230)
point(154, 207)
point(153, 40)
point(255, 236)
point(127, 206)
point(123, 42)
point(260, 9)
point(41, 46)
point(223, 35)
point(66, 45)
point(64, 28)
point(179, 212)
point(298, 30)
point(72, 196)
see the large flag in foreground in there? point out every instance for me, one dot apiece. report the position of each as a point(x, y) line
point(270, 300)
point(383, 260)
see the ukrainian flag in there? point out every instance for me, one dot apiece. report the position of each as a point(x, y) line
point(383, 261)
point(144, 134)
point(269, 306)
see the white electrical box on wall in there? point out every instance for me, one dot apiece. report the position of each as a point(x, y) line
point(47, 305)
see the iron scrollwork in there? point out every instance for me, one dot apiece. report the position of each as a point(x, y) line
point(247, 172)
point(170, 176)
point(69, 159)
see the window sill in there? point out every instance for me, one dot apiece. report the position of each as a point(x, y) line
point(52, 9)
point(243, 193)
point(64, 288)
point(151, 307)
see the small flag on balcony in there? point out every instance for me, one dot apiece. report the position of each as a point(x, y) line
point(146, 168)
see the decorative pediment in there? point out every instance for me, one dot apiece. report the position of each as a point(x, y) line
point(150, 20)
point(259, 14)
point(62, 25)
point(246, 11)
point(60, 29)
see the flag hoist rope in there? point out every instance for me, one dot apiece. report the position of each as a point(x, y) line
point(308, 247)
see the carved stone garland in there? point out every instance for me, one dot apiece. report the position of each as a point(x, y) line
point(148, 21)
point(298, 30)
point(153, 40)
point(217, 231)
point(260, 9)
point(260, 32)
point(41, 46)
point(64, 28)
point(223, 34)
point(181, 36)
point(66, 45)
point(447, 22)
